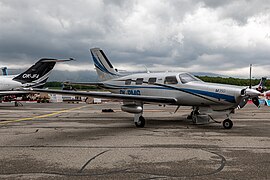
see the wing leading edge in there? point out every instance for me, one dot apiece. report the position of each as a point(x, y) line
point(11, 92)
point(84, 83)
point(150, 99)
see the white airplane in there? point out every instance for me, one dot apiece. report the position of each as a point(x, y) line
point(172, 88)
point(35, 76)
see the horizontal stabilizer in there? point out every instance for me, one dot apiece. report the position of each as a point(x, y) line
point(57, 60)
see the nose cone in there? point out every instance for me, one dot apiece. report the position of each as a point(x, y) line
point(266, 94)
point(252, 93)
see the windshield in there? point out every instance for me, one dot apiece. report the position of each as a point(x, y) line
point(185, 78)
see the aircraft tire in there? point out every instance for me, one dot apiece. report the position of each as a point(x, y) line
point(140, 123)
point(227, 124)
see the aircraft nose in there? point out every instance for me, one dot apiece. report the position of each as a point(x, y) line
point(252, 93)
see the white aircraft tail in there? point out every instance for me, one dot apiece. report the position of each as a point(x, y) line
point(104, 68)
point(38, 74)
point(4, 71)
point(261, 86)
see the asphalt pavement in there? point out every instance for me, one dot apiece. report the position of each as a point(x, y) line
point(67, 141)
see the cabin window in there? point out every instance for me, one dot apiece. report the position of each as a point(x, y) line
point(128, 82)
point(185, 78)
point(170, 80)
point(139, 81)
point(152, 80)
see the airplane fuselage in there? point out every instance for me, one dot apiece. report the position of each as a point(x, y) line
point(7, 83)
point(188, 91)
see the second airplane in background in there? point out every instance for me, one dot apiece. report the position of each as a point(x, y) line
point(208, 100)
point(35, 76)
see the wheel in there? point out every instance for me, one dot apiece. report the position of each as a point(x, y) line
point(227, 124)
point(141, 122)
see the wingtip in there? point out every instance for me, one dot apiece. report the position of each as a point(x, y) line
point(56, 60)
point(64, 60)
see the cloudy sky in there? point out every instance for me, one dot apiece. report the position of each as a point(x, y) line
point(222, 37)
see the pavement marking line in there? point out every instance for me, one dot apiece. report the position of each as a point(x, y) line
point(42, 116)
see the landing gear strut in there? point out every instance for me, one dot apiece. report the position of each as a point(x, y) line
point(227, 124)
point(141, 122)
point(193, 113)
point(203, 115)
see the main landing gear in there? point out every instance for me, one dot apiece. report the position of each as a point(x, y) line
point(139, 120)
point(140, 123)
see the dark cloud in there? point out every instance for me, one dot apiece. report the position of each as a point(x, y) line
point(180, 35)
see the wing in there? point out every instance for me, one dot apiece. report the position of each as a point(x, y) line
point(150, 99)
point(85, 83)
point(8, 93)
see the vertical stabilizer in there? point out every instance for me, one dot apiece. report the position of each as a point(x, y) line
point(261, 86)
point(38, 74)
point(4, 71)
point(104, 68)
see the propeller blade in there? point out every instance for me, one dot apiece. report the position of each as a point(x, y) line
point(255, 100)
point(243, 102)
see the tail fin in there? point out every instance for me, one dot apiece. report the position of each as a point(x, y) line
point(104, 68)
point(38, 74)
point(4, 71)
point(261, 86)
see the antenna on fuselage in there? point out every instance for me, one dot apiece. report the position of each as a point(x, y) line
point(146, 69)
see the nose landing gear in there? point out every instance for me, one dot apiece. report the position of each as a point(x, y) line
point(227, 124)
point(198, 116)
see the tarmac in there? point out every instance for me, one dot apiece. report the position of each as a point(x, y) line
point(68, 141)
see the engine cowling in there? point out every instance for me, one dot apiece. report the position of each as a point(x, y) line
point(132, 108)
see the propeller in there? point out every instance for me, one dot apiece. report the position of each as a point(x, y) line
point(249, 93)
point(254, 94)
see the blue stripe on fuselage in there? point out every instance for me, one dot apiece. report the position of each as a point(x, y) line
point(218, 96)
point(136, 87)
point(226, 97)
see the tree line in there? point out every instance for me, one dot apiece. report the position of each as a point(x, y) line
point(233, 81)
point(221, 80)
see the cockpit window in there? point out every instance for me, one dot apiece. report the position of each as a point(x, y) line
point(170, 80)
point(185, 78)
